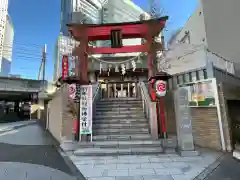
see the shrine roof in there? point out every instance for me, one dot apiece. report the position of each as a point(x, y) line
point(164, 18)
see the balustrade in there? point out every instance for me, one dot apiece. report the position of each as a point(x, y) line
point(120, 89)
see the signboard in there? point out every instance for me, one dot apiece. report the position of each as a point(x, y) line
point(72, 91)
point(86, 109)
point(65, 67)
point(161, 87)
point(201, 93)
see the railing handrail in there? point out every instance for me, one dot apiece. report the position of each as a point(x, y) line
point(144, 92)
point(96, 92)
point(150, 110)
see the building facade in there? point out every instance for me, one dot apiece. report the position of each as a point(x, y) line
point(73, 11)
point(3, 18)
point(207, 37)
point(7, 47)
point(122, 11)
point(95, 12)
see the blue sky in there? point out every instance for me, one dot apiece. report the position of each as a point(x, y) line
point(37, 22)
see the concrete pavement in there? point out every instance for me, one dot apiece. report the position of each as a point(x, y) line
point(151, 167)
point(29, 153)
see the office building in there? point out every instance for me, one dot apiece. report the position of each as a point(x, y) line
point(93, 11)
point(3, 18)
point(7, 47)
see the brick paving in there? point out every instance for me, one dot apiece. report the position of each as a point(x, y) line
point(151, 167)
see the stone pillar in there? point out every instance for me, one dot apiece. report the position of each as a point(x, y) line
point(184, 123)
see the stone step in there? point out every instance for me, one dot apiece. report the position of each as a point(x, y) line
point(119, 121)
point(125, 116)
point(121, 144)
point(120, 101)
point(116, 113)
point(170, 142)
point(120, 131)
point(122, 137)
point(117, 105)
point(119, 109)
point(120, 125)
point(117, 151)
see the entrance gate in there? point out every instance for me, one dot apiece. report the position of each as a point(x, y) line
point(86, 33)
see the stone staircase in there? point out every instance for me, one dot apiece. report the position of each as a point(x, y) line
point(120, 128)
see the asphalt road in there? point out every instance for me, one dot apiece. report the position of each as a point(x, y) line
point(45, 155)
point(229, 169)
point(28, 149)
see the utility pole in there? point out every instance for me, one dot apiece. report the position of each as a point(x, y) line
point(44, 53)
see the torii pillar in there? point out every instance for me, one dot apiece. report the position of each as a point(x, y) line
point(115, 32)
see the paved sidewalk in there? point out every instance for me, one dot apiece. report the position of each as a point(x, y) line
point(154, 167)
point(29, 153)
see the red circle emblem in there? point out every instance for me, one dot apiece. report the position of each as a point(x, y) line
point(71, 90)
point(161, 87)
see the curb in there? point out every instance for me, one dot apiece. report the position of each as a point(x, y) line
point(209, 169)
point(75, 172)
point(18, 126)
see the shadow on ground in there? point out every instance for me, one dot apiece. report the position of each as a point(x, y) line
point(45, 155)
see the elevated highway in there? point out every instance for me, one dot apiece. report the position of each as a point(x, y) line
point(19, 89)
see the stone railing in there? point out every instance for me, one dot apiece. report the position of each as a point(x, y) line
point(149, 109)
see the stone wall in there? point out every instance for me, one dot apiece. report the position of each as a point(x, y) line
point(170, 114)
point(60, 121)
point(205, 127)
point(204, 121)
point(55, 116)
point(67, 118)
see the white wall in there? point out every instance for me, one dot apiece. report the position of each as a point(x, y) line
point(196, 28)
point(188, 62)
point(223, 27)
point(202, 32)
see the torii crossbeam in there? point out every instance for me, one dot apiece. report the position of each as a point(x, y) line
point(116, 32)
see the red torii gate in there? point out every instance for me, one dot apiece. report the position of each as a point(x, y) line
point(92, 32)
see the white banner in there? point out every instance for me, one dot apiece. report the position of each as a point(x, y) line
point(86, 109)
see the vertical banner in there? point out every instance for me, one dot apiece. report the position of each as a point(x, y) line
point(65, 67)
point(86, 109)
